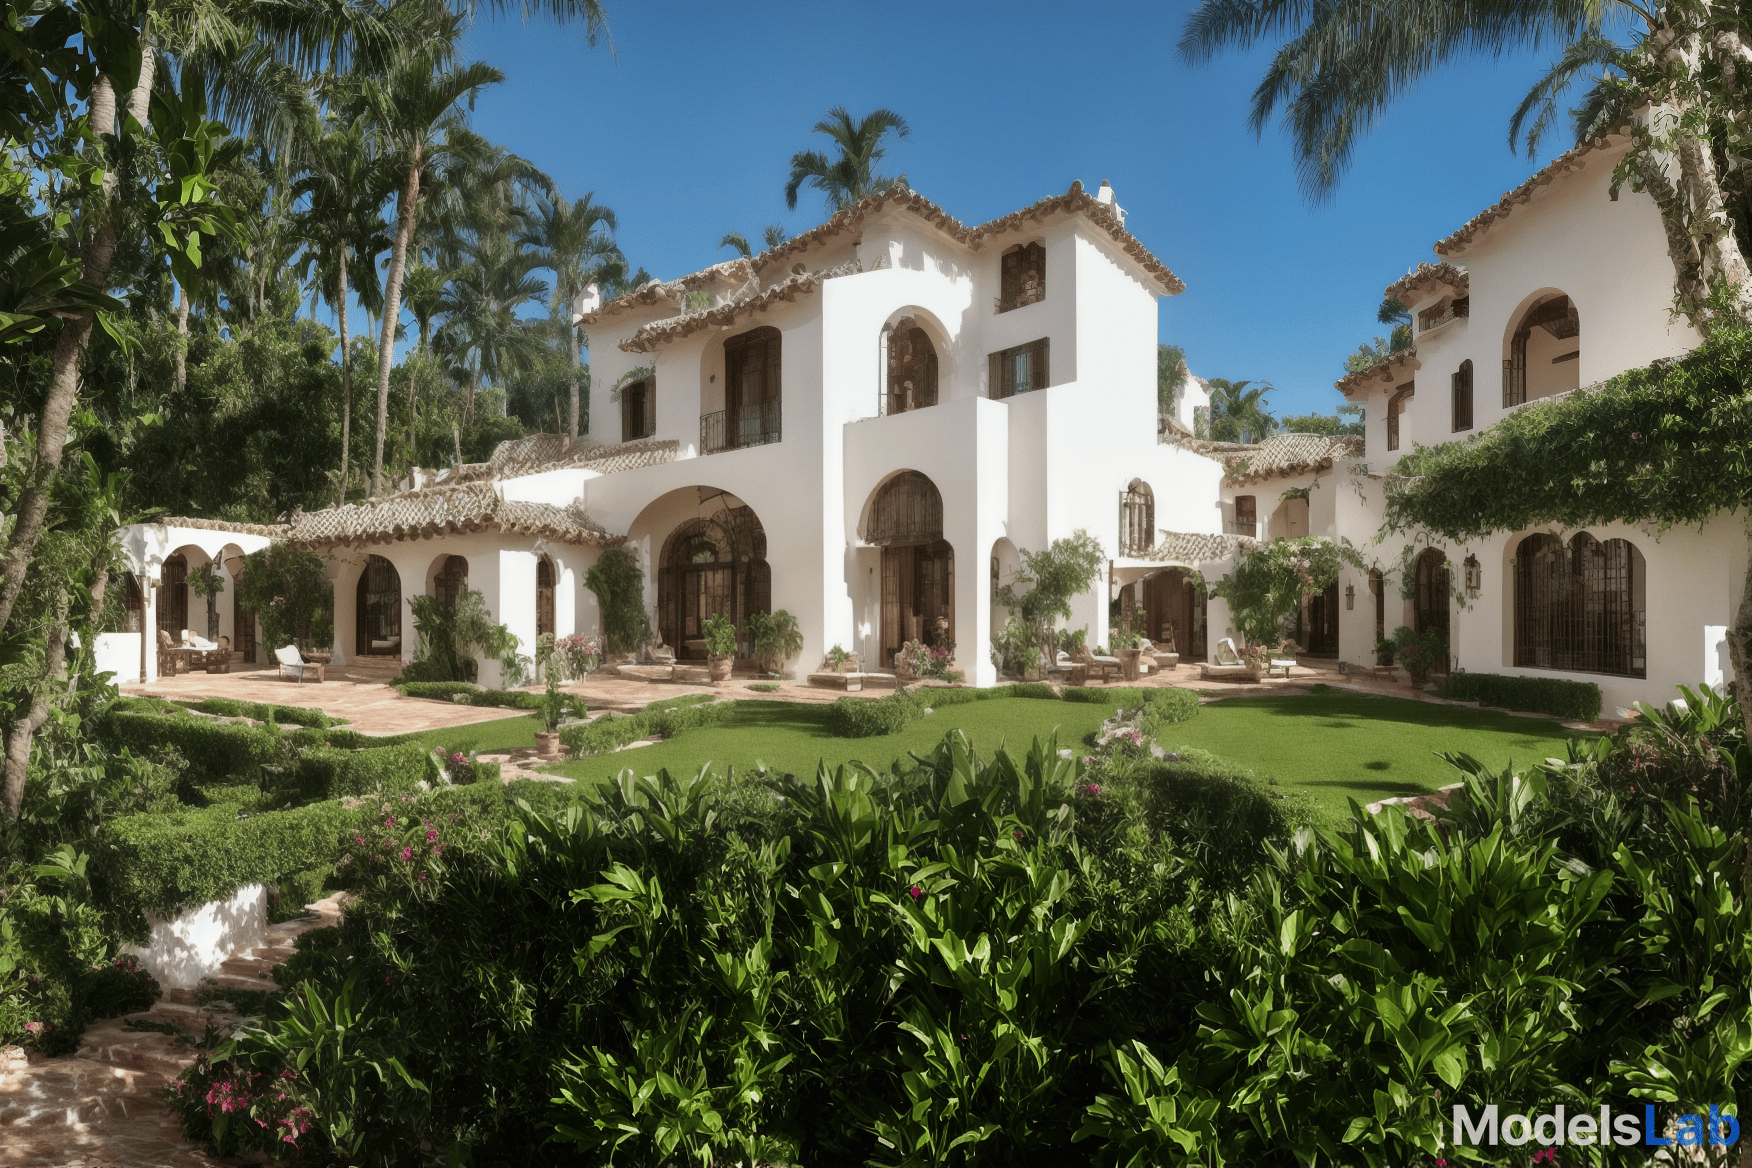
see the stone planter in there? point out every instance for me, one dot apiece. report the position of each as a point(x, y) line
point(547, 745)
point(1128, 662)
point(1167, 661)
point(620, 658)
point(720, 667)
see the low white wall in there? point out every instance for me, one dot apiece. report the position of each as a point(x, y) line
point(192, 945)
point(118, 653)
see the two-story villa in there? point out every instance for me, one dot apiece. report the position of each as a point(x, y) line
point(864, 426)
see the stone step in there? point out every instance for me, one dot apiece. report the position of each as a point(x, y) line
point(247, 968)
point(273, 954)
point(111, 1042)
point(73, 1092)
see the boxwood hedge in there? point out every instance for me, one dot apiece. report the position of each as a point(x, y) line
point(1577, 700)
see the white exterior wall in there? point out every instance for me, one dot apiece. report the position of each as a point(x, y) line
point(146, 546)
point(184, 949)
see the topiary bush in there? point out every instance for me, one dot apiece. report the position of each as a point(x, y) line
point(1576, 700)
point(1166, 707)
point(266, 712)
point(1035, 689)
point(663, 719)
point(871, 717)
point(214, 750)
point(1128, 696)
point(328, 772)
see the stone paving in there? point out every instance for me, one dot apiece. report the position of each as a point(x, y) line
point(103, 1105)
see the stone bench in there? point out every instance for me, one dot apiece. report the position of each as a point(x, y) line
point(851, 682)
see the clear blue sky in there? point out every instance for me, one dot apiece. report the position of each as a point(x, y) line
point(686, 128)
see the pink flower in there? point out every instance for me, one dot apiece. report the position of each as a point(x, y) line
point(915, 891)
point(390, 822)
point(34, 1028)
point(407, 853)
point(430, 836)
point(422, 875)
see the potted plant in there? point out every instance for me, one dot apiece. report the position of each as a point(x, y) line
point(1421, 653)
point(1126, 646)
point(1384, 654)
point(839, 661)
point(776, 638)
point(1257, 658)
point(720, 636)
point(552, 704)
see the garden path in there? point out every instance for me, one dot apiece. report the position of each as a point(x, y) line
point(103, 1105)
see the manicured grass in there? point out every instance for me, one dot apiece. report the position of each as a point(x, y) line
point(791, 736)
point(1337, 746)
point(496, 736)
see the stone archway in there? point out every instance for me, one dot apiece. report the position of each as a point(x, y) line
point(712, 564)
point(378, 610)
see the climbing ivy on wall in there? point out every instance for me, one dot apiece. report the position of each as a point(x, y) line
point(1267, 584)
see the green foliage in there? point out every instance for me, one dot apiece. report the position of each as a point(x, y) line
point(514, 699)
point(619, 585)
point(214, 750)
point(1648, 444)
point(293, 598)
point(453, 637)
point(663, 719)
point(1069, 567)
point(776, 638)
point(1237, 413)
point(850, 717)
point(1420, 653)
point(265, 712)
point(325, 772)
point(764, 686)
point(1347, 421)
point(1165, 707)
point(1171, 378)
point(1576, 700)
point(165, 863)
point(720, 635)
point(439, 690)
point(1266, 587)
point(1013, 649)
point(1222, 815)
point(1034, 689)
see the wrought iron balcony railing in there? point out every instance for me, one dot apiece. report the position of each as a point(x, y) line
point(751, 425)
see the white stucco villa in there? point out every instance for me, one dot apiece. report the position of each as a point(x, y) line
point(865, 425)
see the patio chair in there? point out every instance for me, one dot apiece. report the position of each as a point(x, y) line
point(1228, 666)
point(1227, 654)
point(172, 658)
point(294, 666)
point(218, 660)
point(1109, 666)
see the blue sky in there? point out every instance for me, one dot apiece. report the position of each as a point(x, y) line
point(687, 126)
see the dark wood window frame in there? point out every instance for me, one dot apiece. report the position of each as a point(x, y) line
point(1396, 407)
point(1022, 276)
point(1247, 511)
point(912, 369)
point(1022, 369)
point(1462, 381)
point(753, 393)
point(638, 403)
point(1581, 606)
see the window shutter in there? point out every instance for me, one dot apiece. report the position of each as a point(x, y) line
point(1041, 381)
point(996, 361)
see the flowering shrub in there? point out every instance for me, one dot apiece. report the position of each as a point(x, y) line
point(238, 1110)
point(577, 656)
point(925, 662)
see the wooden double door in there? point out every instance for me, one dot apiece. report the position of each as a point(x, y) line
point(1175, 612)
point(918, 595)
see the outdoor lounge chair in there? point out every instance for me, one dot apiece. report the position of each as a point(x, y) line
point(1228, 667)
point(172, 658)
point(294, 666)
point(1109, 666)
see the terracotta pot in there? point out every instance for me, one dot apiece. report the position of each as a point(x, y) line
point(547, 744)
point(720, 667)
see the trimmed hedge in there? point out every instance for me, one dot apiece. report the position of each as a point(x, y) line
point(216, 750)
point(1128, 697)
point(1576, 700)
point(1220, 812)
point(509, 698)
point(1167, 706)
point(166, 863)
point(871, 717)
point(664, 719)
point(441, 690)
point(264, 712)
point(327, 772)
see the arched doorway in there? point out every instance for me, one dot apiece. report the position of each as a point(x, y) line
point(912, 368)
point(1137, 518)
point(1544, 351)
point(1174, 608)
point(1430, 592)
point(1582, 606)
point(451, 581)
point(1323, 622)
point(715, 564)
point(173, 596)
point(544, 596)
point(378, 623)
point(918, 565)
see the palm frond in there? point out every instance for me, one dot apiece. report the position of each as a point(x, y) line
point(1588, 52)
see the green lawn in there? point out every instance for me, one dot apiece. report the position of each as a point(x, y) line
point(791, 736)
point(1334, 746)
point(1337, 746)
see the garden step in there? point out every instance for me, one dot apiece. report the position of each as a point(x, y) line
point(72, 1093)
point(110, 1041)
point(246, 967)
point(274, 954)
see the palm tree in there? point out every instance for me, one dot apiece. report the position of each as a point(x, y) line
point(1238, 414)
point(346, 187)
point(414, 109)
point(851, 176)
point(573, 241)
point(1343, 62)
point(773, 235)
point(480, 307)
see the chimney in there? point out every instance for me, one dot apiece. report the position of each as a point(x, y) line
point(1105, 196)
point(587, 302)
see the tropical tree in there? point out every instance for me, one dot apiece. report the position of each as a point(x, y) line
point(480, 307)
point(773, 235)
point(1678, 90)
point(573, 240)
point(1171, 378)
point(415, 107)
point(852, 175)
point(1238, 414)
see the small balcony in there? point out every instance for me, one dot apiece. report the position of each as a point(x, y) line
point(752, 425)
point(1019, 299)
point(1434, 318)
point(1250, 530)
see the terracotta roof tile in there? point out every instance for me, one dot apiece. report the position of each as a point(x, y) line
point(663, 332)
point(535, 453)
point(1076, 200)
point(440, 511)
point(1428, 280)
point(1192, 549)
point(1285, 455)
point(1388, 371)
point(1570, 160)
point(271, 530)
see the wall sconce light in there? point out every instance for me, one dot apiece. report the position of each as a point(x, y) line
point(1350, 596)
point(1474, 575)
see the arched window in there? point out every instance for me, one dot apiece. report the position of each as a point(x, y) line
point(452, 580)
point(1023, 276)
point(544, 596)
point(751, 393)
point(1137, 518)
point(1544, 352)
point(638, 403)
point(908, 510)
point(918, 565)
point(912, 369)
point(1463, 397)
point(711, 565)
point(1580, 606)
